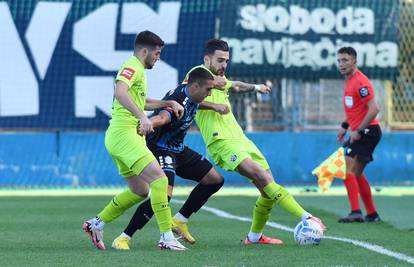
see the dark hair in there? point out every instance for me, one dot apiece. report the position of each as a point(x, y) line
point(348, 50)
point(200, 76)
point(148, 39)
point(215, 44)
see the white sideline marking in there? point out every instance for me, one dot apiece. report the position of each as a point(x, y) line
point(372, 247)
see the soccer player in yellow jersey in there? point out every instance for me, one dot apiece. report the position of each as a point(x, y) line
point(128, 149)
point(233, 151)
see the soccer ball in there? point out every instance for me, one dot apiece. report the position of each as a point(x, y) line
point(308, 232)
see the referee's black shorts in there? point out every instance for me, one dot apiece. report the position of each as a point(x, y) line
point(364, 147)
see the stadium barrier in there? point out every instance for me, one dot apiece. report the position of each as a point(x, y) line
point(79, 158)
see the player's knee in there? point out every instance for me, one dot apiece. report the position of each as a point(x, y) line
point(260, 176)
point(212, 177)
point(143, 192)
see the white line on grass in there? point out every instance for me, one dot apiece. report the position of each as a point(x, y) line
point(372, 247)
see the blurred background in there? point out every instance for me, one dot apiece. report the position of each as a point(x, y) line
point(58, 60)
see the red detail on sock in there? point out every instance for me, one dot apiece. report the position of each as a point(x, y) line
point(352, 188)
point(366, 195)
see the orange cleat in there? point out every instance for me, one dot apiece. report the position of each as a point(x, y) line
point(264, 240)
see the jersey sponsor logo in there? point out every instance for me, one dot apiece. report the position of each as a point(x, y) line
point(363, 92)
point(349, 102)
point(127, 73)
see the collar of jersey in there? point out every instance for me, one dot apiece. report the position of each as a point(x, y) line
point(138, 62)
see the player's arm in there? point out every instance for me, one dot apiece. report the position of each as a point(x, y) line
point(220, 108)
point(152, 104)
point(373, 111)
point(122, 95)
point(163, 118)
point(248, 87)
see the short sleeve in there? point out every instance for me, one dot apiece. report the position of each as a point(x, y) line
point(127, 75)
point(365, 93)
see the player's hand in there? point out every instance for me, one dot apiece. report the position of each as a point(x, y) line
point(354, 136)
point(145, 126)
point(318, 221)
point(341, 135)
point(264, 89)
point(221, 108)
point(219, 82)
point(177, 109)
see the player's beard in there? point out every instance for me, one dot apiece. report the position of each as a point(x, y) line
point(149, 63)
point(215, 71)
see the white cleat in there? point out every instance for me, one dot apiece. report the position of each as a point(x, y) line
point(173, 244)
point(95, 234)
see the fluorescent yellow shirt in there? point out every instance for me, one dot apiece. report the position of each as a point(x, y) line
point(132, 73)
point(213, 125)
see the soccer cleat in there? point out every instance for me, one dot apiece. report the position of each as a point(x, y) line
point(120, 243)
point(264, 240)
point(173, 244)
point(354, 216)
point(95, 234)
point(319, 221)
point(372, 218)
point(181, 229)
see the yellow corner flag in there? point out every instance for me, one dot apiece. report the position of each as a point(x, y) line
point(333, 166)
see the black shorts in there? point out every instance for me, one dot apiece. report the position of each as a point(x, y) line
point(364, 147)
point(188, 164)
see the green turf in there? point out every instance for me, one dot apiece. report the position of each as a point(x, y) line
point(46, 231)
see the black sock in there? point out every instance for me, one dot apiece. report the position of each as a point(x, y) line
point(141, 217)
point(198, 197)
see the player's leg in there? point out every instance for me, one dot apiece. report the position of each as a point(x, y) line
point(193, 166)
point(256, 168)
point(243, 156)
point(158, 182)
point(141, 217)
point(138, 190)
point(271, 194)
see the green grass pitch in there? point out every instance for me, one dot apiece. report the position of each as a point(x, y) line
point(46, 231)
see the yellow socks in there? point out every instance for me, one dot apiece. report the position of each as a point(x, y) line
point(283, 198)
point(118, 205)
point(159, 204)
point(261, 214)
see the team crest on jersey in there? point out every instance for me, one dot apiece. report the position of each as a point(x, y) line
point(168, 160)
point(363, 92)
point(233, 158)
point(127, 73)
point(349, 102)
